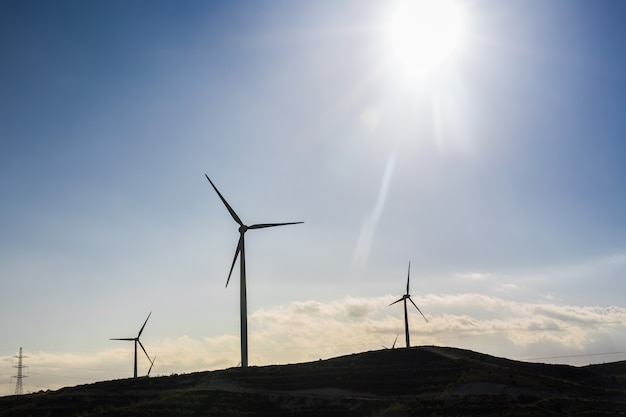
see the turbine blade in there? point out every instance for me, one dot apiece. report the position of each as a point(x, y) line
point(144, 350)
point(151, 365)
point(130, 339)
point(418, 309)
point(230, 209)
point(263, 225)
point(394, 342)
point(144, 325)
point(397, 301)
point(408, 275)
point(239, 244)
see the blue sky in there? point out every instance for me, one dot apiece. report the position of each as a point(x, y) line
point(500, 177)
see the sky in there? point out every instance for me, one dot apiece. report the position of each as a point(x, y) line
point(496, 170)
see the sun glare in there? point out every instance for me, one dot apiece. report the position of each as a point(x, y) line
point(425, 34)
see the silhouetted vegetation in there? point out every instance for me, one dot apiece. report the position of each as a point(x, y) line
point(424, 381)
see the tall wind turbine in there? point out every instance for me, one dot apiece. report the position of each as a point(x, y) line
point(137, 341)
point(405, 297)
point(242, 270)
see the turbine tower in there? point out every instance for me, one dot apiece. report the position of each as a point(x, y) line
point(137, 341)
point(242, 270)
point(405, 297)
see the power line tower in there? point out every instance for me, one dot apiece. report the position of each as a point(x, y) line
point(19, 389)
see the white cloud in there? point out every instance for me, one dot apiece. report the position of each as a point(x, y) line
point(474, 276)
point(506, 288)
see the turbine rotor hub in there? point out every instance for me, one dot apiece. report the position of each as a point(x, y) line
point(243, 228)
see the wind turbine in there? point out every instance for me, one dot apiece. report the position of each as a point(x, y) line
point(405, 297)
point(394, 343)
point(137, 341)
point(242, 270)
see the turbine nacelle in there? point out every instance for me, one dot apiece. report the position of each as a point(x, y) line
point(403, 298)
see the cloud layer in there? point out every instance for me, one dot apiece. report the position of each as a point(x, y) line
point(309, 330)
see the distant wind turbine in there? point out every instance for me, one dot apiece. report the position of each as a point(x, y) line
point(242, 270)
point(137, 341)
point(405, 297)
point(394, 343)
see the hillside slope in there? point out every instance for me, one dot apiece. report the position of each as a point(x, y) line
point(425, 381)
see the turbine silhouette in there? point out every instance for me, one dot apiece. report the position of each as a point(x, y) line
point(137, 341)
point(394, 343)
point(242, 270)
point(405, 297)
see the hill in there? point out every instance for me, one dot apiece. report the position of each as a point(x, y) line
point(424, 381)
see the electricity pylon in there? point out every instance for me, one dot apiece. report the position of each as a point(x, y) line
point(19, 389)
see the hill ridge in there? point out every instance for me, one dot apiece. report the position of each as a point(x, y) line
point(424, 380)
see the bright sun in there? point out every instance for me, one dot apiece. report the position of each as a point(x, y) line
point(423, 35)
